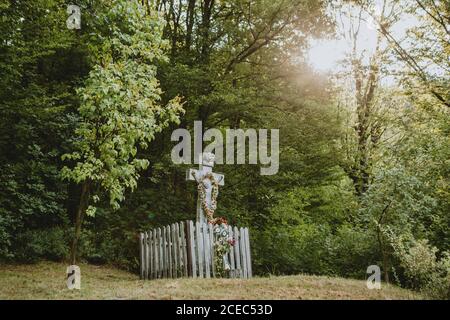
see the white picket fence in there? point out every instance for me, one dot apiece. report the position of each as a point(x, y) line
point(185, 249)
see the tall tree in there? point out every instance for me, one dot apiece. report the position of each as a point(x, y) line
point(119, 107)
point(424, 49)
point(41, 63)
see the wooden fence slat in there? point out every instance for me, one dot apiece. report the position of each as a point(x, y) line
point(150, 251)
point(193, 261)
point(176, 255)
point(249, 259)
point(175, 250)
point(184, 239)
point(200, 252)
point(159, 244)
point(231, 254)
point(207, 249)
point(155, 255)
point(237, 253)
point(204, 233)
point(246, 252)
point(150, 254)
point(176, 234)
point(212, 252)
point(160, 254)
point(146, 259)
point(141, 254)
point(243, 254)
point(189, 247)
point(181, 248)
point(165, 250)
point(172, 252)
point(168, 251)
point(145, 247)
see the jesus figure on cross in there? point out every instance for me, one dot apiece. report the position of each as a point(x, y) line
point(208, 184)
point(208, 187)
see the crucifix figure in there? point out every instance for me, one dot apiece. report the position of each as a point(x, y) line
point(208, 183)
point(206, 179)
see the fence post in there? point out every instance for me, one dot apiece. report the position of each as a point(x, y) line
point(160, 254)
point(237, 253)
point(212, 252)
point(141, 254)
point(200, 253)
point(207, 248)
point(243, 253)
point(231, 254)
point(151, 260)
point(191, 249)
point(249, 257)
point(146, 257)
point(155, 254)
point(184, 249)
point(175, 249)
point(164, 242)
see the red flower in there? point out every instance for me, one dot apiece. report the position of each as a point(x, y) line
point(231, 242)
point(219, 220)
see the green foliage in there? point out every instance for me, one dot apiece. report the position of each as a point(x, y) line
point(119, 106)
point(422, 268)
point(47, 244)
point(352, 250)
point(307, 232)
point(37, 52)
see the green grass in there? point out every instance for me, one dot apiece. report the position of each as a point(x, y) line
point(47, 281)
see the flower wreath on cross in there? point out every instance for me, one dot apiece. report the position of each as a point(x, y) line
point(223, 242)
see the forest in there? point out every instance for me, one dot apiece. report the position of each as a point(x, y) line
point(87, 114)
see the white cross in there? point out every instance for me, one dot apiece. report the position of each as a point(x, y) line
point(206, 164)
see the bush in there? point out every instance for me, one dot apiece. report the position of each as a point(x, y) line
point(422, 268)
point(114, 247)
point(290, 250)
point(352, 251)
point(34, 245)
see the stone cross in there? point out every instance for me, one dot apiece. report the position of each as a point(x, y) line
point(206, 164)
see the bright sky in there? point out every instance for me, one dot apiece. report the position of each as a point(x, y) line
point(325, 55)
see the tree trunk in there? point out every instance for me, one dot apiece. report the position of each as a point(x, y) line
point(386, 267)
point(385, 258)
point(383, 250)
point(207, 10)
point(190, 23)
point(82, 207)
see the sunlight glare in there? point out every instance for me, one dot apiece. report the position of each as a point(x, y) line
point(324, 55)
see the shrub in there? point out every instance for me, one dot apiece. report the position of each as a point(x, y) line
point(352, 251)
point(34, 245)
point(422, 268)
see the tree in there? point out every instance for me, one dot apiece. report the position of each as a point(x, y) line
point(365, 69)
point(119, 110)
point(38, 77)
point(424, 49)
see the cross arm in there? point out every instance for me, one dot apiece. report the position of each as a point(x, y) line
point(195, 175)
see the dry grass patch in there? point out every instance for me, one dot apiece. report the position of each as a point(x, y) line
point(47, 281)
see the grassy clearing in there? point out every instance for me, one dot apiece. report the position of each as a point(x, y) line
point(47, 281)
